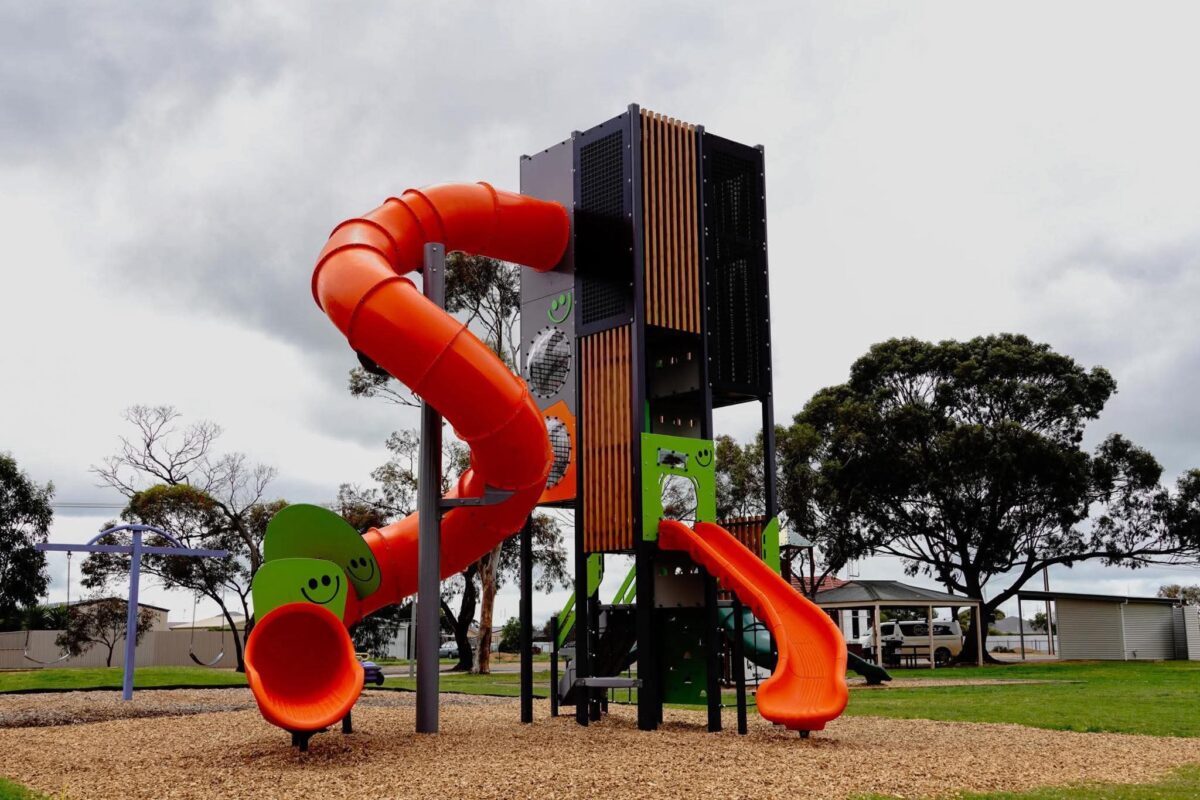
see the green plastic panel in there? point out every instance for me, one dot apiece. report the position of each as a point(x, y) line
point(770, 545)
point(595, 576)
point(682, 650)
point(306, 531)
point(664, 455)
point(299, 580)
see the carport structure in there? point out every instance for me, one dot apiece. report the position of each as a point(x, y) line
point(873, 596)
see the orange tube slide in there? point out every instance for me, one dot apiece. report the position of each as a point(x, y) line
point(808, 685)
point(358, 282)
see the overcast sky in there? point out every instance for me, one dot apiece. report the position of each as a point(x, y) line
point(939, 170)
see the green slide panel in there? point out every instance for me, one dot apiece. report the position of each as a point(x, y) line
point(307, 531)
point(300, 580)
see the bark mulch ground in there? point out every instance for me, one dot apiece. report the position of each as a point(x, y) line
point(484, 752)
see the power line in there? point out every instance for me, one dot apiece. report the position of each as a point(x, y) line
point(86, 505)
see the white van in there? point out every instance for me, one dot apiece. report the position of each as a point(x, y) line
point(912, 638)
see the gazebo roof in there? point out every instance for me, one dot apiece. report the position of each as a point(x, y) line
point(863, 594)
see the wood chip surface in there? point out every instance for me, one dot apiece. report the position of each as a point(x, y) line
point(484, 752)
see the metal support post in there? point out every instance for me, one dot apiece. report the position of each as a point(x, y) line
point(712, 648)
point(739, 665)
point(429, 524)
point(554, 665)
point(583, 664)
point(527, 621)
point(649, 700)
point(131, 616)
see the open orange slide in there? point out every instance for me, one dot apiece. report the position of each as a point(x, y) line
point(808, 686)
point(359, 283)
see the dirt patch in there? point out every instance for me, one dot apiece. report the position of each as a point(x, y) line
point(73, 708)
point(484, 752)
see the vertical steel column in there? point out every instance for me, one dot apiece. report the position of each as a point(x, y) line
point(527, 620)
point(649, 695)
point(739, 664)
point(583, 664)
point(554, 665)
point(712, 648)
point(131, 616)
point(429, 525)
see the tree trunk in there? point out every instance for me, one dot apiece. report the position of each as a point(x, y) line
point(108, 661)
point(462, 623)
point(237, 637)
point(968, 656)
point(488, 586)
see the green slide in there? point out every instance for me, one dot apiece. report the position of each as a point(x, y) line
point(756, 641)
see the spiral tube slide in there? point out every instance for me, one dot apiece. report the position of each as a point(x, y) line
point(359, 283)
point(808, 685)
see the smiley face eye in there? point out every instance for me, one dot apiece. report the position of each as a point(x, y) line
point(324, 580)
point(354, 563)
point(312, 583)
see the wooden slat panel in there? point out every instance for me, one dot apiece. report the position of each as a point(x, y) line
point(670, 223)
point(748, 531)
point(607, 458)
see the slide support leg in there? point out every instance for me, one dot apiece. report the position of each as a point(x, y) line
point(527, 621)
point(739, 665)
point(712, 648)
point(429, 526)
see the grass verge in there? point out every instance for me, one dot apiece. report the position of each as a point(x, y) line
point(85, 678)
point(1182, 784)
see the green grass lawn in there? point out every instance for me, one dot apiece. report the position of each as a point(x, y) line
point(14, 791)
point(1161, 699)
point(499, 684)
point(111, 678)
point(1182, 784)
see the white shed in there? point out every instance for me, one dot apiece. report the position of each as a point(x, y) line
point(1116, 628)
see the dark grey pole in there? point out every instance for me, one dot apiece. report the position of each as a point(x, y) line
point(131, 616)
point(527, 621)
point(554, 666)
point(429, 525)
point(739, 664)
point(712, 647)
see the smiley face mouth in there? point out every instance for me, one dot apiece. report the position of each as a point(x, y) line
point(355, 575)
point(337, 587)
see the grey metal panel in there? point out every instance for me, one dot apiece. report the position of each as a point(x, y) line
point(549, 175)
point(1089, 629)
point(1179, 633)
point(1191, 626)
point(1149, 631)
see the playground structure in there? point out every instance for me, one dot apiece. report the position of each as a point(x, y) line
point(646, 307)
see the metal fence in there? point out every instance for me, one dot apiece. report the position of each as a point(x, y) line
point(156, 649)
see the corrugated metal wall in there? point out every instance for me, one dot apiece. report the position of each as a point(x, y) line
point(605, 375)
point(1089, 630)
point(670, 223)
point(156, 649)
point(1191, 628)
point(1149, 631)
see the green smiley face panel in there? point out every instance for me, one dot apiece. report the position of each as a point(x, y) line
point(560, 307)
point(307, 531)
point(299, 580)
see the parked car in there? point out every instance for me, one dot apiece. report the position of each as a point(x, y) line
point(448, 650)
point(912, 637)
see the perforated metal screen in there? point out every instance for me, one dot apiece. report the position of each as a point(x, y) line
point(549, 362)
point(560, 443)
